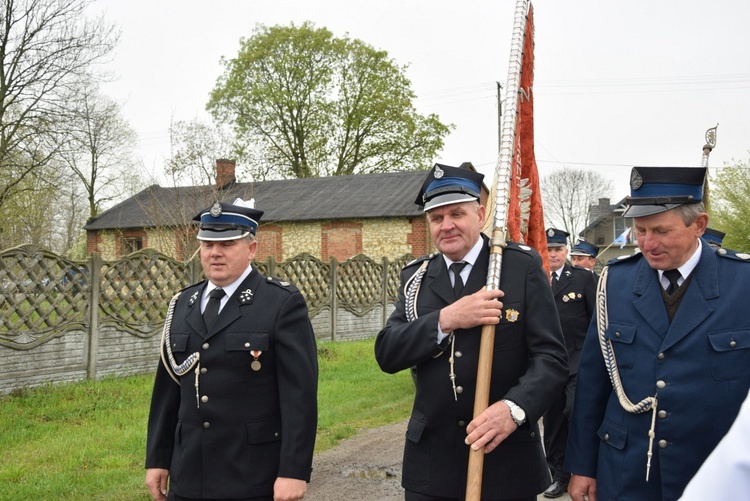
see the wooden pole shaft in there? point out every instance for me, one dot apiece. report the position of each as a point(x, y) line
point(481, 402)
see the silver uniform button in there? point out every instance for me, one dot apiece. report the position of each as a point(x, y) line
point(458, 354)
point(606, 437)
point(203, 370)
point(663, 444)
point(461, 423)
point(459, 389)
point(206, 425)
point(732, 343)
point(661, 356)
point(661, 384)
point(247, 345)
point(204, 346)
point(662, 414)
point(204, 399)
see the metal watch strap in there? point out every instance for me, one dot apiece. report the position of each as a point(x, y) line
point(513, 406)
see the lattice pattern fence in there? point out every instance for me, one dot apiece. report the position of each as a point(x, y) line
point(43, 295)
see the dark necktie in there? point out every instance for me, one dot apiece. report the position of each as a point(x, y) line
point(555, 280)
point(211, 313)
point(672, 276)
point(458, 283)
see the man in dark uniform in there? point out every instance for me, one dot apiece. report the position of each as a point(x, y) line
point(584, 255)
point(666, 365)
point(234, 407)
point(574, 289)
point(436, 327)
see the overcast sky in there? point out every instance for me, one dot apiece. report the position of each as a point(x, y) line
point(617, 84)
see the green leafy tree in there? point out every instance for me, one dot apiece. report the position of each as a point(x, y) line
point(306, 104)
point(730, 205)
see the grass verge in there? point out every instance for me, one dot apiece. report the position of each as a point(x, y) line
point(87, 440)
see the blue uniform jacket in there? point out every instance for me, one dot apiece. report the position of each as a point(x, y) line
point(698, 367)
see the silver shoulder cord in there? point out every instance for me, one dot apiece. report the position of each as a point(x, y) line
point(648, 403)
point(411, 291)
point(173, 368)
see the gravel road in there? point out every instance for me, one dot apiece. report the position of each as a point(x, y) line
point(366, 467)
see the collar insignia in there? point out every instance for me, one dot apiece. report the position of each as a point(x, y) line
point(246, 296)
point(193, 298)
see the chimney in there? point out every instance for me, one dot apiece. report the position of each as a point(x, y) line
point(604, 202)
point(225, 173)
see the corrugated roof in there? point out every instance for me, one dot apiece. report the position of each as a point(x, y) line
point(339, 197)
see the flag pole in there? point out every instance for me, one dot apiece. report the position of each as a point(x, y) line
point(502, 182)
point(707, 148)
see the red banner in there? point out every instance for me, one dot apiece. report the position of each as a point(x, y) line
point(525, 215)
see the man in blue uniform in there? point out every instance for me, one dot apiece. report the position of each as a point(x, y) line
point(436, 326)
point(234, 407)
point(666, 363)
point(574, 289)
point(584, 255)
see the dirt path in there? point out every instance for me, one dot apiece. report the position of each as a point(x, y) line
point(366, 467)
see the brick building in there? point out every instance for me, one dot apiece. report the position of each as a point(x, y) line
point(340, 217)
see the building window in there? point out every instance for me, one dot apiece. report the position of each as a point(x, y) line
point(131, 244)
point(620, 225)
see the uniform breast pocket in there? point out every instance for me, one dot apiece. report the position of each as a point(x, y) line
point(178, 341)
point(246, 341)
point(730, 354)
point(622, 337)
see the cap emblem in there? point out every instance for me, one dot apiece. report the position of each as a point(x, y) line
point(550, 232)
point(636, 181)
point(215, 209)
point(438, 172)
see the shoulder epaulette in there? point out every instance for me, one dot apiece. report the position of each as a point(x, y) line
point(624, 258)
point(421, 259)
point(288, 286)
point(527, 249)
point(737, 256)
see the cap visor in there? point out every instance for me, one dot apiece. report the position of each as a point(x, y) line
point(447, 199)
point(579, 253)
point(206, 234)
point(647, 210)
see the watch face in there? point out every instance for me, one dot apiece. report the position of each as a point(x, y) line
point(519, 414)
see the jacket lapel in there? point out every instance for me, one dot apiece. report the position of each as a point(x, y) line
point(194, 318)
point(695, 308)
point(438, 280)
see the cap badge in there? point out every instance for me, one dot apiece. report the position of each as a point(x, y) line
point(550, 232)
point(438, 172)
point(511, 315)
point(215, 209)
point(636, 181)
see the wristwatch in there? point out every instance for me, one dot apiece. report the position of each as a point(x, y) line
point(516, 413)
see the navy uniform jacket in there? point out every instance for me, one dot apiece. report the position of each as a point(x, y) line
point(252, 426)
point(529, 367)
point(698, 367)
point(575, 298)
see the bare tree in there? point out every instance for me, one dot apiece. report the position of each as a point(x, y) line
point(195, 146)
point(45, 47)
point(98, 146)
point(568, 194)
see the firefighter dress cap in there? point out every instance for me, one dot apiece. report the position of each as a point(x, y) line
point(584, 248)
point(557, 238)
point(225, 221)
point(447, 185)
point(713, 237)
point(659, 189)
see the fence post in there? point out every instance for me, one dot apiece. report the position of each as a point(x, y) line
point(385, 290)
point(334, 298)
point(95, 267)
